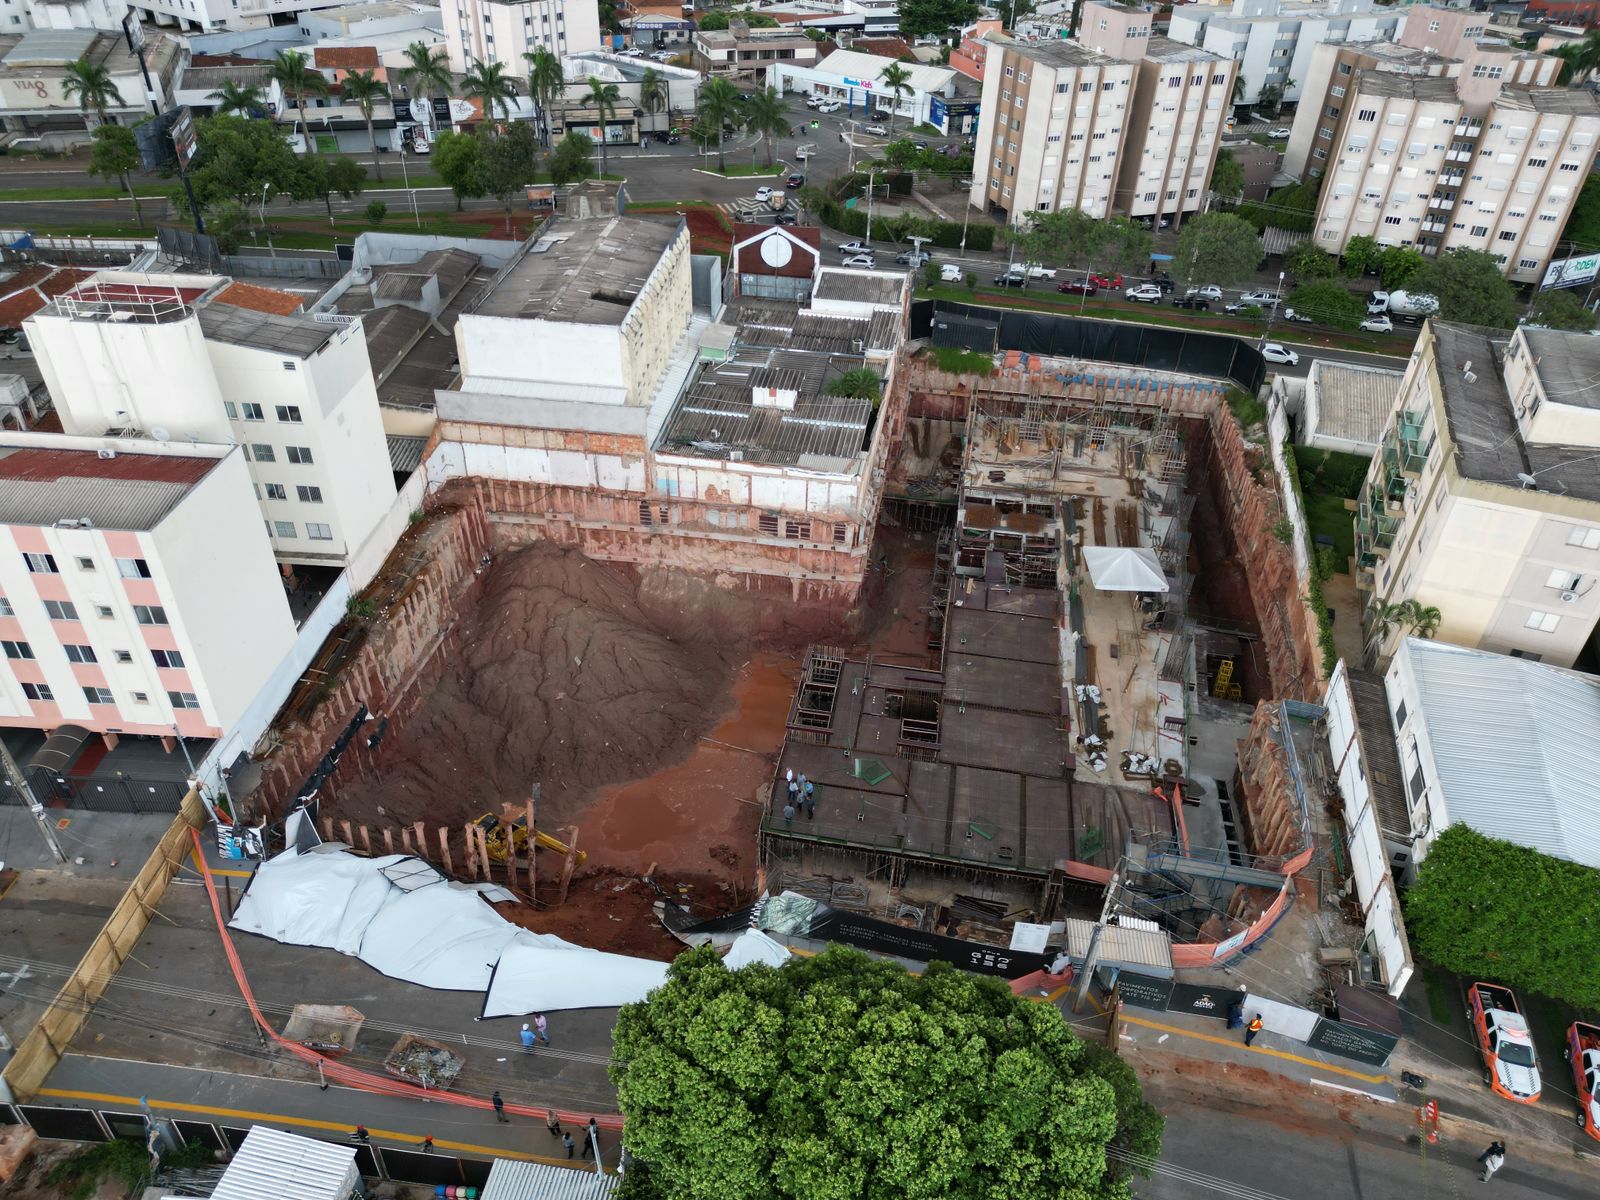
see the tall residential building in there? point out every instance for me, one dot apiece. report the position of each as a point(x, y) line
point(1411, 167)
point(502, 31)
point(1484, 498)
point(1116, 123)
point(1272, 40)
point(175, 358)
point(138, 593)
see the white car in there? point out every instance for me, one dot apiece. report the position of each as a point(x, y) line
point(1273, 352)
point(860, 260)
point(662, 55)
point(875, 130)
point(1378, 324)
point(854, 248)
point(1040, 271)
point(1377, 303)
point(828, 106)
point(801, 154)
point(951, 273)
point(630, 52)
point(1279, 131)
point(1145, 293)
point(763, 194)
point(1260, 299)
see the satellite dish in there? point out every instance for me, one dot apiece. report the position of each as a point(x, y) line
point(159, 432)
point(776, 250)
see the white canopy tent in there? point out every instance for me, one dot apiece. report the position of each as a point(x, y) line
point(1124, 569)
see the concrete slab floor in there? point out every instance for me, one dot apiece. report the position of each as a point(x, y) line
point(1339, 593)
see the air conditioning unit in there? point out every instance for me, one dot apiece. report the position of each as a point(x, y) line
point(107, 453)
point(1569, 597)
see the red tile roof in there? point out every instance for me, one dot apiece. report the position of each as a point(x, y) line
point(747, 259)
point(884, 47)
point(345, 58)
point(31, 288)
point(260, 299)
point(40, 465)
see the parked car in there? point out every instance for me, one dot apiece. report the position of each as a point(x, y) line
point(854, 248)
point(1145, 293)
point(951, 273)
point(1238, 306)
point(1279, 131)
point(1109, 282)
point(1164, 283)
point(1078, 287)
point(1198, 303)
point(795, 181)
point(912, 258)
point(662, 55)
point(785, 218)
point(814, 101)
point(1378, 324)
point(763, 194)
point(1377, 303)
point(875, 130)
point(1299, 318)
point(1582, 1051)
point(1210, 292)
point(1510, 1065)
point(1015, 277)
point(630, 52)
point(1262, 299)
point(1039, 271)
point(1276, 352)
point(860, 260)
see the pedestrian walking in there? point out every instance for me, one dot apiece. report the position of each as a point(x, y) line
point(794, 791)
point(359, 1134)
point(800, 779)
point(553, 1122)
point(591, 1138)
point(1235, 1015)
point(541, 1027)
point(788, 775)
point(811, 800)
point(788, 815)
point(1491, 1160)
point(527, 1039)
point(500, 1110)
point(1252, 1029)
point(427, 1144)
point(566, 1140)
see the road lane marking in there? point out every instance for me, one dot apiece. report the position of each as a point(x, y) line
point(1235, 1044)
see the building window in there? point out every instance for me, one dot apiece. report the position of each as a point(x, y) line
point(308, 494)
point(1480, 231)
point(797, 531)
point(38, 691)
point(41, 564)
point(5, 608)
point(262, 452)
point(1542, 621)
point(324, 533)
point(289, 413)
point(300, 455)
point(104, 611)
point(1367, 114)
point(97, 695)
point(149, 614)
point(80, 654)
point(183, 700)
point(61, 610)
point(1589, 539)
point(1527, 654)
point(229, 408)
point(1508, 235)
point(17, 649)
point(1528, 264)
point(133, 568)
point(168, 659)
point(85, 564)
point(123, 656)
point(284, 529)
point(252, 412)
point(275, 491)
point(768, 524)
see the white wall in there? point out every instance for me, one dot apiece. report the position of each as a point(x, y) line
point(585, 361)
point(1278, 436)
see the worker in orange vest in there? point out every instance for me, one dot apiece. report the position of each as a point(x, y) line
point(1252, 1029)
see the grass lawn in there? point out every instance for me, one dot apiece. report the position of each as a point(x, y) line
point(1328, 517)
point(1327, 479)
point(745, 171)
point(76, 193)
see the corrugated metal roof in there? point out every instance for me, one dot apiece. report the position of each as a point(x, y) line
point(273, 1165)
point(1515, 743)
point(1353, 402)
point(405, 453)
point(1123, 945)
point(129, 491)
point(509, 1180)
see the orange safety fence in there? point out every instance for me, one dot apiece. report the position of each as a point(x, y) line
point(366, 1081)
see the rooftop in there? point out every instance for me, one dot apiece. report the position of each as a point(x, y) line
point(923, 77)
point(1514, 742)
point(1353, 402)
point(298, 336)
point(259, 299)
point(1165, 49)
point(345, 58)
point(50, 53)
point(781, 37)
point(584, 272)
point(1406, 87)
point(32, 287)
point(1055, 53)
point(1380, 758)
point(1568, 364)
point(878, 288)
point(43, 485)
point(1566, 101)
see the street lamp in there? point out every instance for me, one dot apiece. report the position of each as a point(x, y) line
point(1272, 310)
point(405, 176)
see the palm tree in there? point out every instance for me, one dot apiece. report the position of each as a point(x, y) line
point(546, 81)
point(652, 91)
point(719, 107)
point(766, 116)
point(246, 101)
point(603, 98)
point(1239, 88)
point(897, 79)
point(1422, 620)
point(487, 84)
point(93, 86)
point(1578, 59)
point(427, 70)
point(364, 91)
point(293, 72)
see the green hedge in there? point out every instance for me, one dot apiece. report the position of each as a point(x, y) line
point(1320, 569)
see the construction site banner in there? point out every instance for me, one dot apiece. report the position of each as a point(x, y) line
point(1350, 1041)
point(885, 937)
point(1144, 991)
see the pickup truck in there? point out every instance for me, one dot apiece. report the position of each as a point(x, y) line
point(1583, 1052)
point(1510, 1066)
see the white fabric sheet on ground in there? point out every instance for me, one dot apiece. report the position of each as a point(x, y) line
point(535, 975)
point(438, 937)
point(754, 946)
point(1124, 569)
point(321, 898)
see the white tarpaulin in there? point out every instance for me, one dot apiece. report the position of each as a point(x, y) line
point(753, 946)
point(438, 937)
point(538, 973)
point(325, 898)
point(1124, 569)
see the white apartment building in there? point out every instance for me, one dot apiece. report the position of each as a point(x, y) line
point(1117, 123)
point(1411, 167)
point(1272, 40)
point(138, 593)
point(175, 358)
point(502, 31)
point(1484, 498)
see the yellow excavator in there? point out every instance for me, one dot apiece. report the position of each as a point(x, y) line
point(496, 832)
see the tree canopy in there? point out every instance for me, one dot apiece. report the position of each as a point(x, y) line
point(573, 159)
point(1360, 254)
point(1561, 308)
point(1306, 260)
point(1486, 908)
point(923, 17)
point(1470, 288)
point(1064, 236)
point(1399, 265)
point(842, 1078)
point(458, 160)
point(114, 154)
point(1227, 177)
point(1217, 248)
point(1327, 303)
point(238, 158)
point(1583, 226)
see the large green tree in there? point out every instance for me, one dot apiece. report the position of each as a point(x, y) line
point(507, 162)
point(1583, 226)
point(458, 160)
point(238, 159)
point(937, 17)
point(1361, 253)
point(1400, 264)
point(322, 179)
point(572, 159)
point(842, 1078)
point(293, 72)
point(114, 154)
point(896, 81)
point(365, 91)
point(93, 87)
point(1327, 304)
point(1492, 910)
point(1558, 308)
point(1469, 287)
point(767, 116)
point(717, 107)
point(603, 98)
point(1125, 243)
point(1227, 177)
point(1064, 236)
point(1217, 248)
point(1306, 260)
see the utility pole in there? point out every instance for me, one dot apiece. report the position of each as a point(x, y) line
point(17, 780)
point(1091, 957)
point(870, 177)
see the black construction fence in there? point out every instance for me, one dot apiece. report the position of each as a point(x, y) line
point(1187, 352)
point(112, 792)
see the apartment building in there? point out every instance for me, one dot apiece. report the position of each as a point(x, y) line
point(1115, 123)
point(1411, 167)
point(138, 591)
point(1484, 498)
point(1272, 41)
point(174, 358)
point(739, 52)
point(35, 67)
point(502, 31)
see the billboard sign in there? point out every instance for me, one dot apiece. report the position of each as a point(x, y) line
point(1571, 272)
point(183, 137)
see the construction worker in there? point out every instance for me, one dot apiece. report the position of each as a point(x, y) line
point(1252, 1029)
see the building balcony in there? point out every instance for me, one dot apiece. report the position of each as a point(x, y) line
point(1454, 179)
